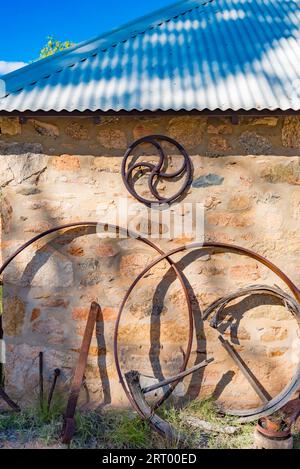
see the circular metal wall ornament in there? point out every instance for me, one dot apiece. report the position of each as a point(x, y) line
point(244, 415)
point(157, 171)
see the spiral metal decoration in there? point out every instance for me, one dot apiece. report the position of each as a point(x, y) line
point(156, 171)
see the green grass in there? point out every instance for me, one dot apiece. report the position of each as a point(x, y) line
point(123, 429)
point(114, 429)
point(197, 438)
point(127, 430)
point(34, 422)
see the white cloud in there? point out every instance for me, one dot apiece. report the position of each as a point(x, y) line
point(6, 67)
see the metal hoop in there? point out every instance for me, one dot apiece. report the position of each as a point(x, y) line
point(108, 227)
point(247, 415)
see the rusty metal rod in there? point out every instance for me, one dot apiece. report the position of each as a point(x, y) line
point(244, 369)
point(178, 377)
point(51, 392)
point(41, 379)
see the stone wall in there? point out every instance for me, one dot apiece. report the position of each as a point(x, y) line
point(58, 170)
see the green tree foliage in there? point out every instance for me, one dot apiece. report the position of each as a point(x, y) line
point(53, 46)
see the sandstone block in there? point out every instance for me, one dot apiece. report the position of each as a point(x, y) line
point(18, 168)
point(107, 249)
point(291, 132)
point(288, 172)
point(66, 163)
point(245, 272)
point(222, 129)
point(273, 334)
point(219, 144)
point(276, 352)
point(76, 251)
point(239, 203)
point(54, 270)
point(133, 264)
point(49, 330)
point(187, 130)
point(77, 131)
point(45, 128)
point(6, 214)
point(255, 144)
point(143, 129)
point(10, 126)
point(270, 121)
point(38, 227)
point(112, 138)
point(14, 316)
point(55, 303)
point(225, 219)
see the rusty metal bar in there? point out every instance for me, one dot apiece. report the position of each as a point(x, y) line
point(53, 385)
point(178, 377)
point(41, 379)
point(245, 370)
point(69, 421)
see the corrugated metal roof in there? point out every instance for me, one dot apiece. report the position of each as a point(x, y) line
point(196, 54)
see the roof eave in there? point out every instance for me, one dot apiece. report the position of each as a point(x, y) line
point(181, 112)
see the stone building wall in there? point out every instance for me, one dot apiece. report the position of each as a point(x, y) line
point(58, 170)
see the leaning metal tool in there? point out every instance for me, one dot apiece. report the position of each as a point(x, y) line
point(69, 420)
point(244, 369)
point(51, 392)
point(178, 377)
point(146, 412)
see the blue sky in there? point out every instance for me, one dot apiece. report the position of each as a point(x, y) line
point(25, 24)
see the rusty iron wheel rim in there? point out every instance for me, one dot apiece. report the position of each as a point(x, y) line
point(282, 398)
point(156, 170)
point(119, 229)
point(187, 353)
